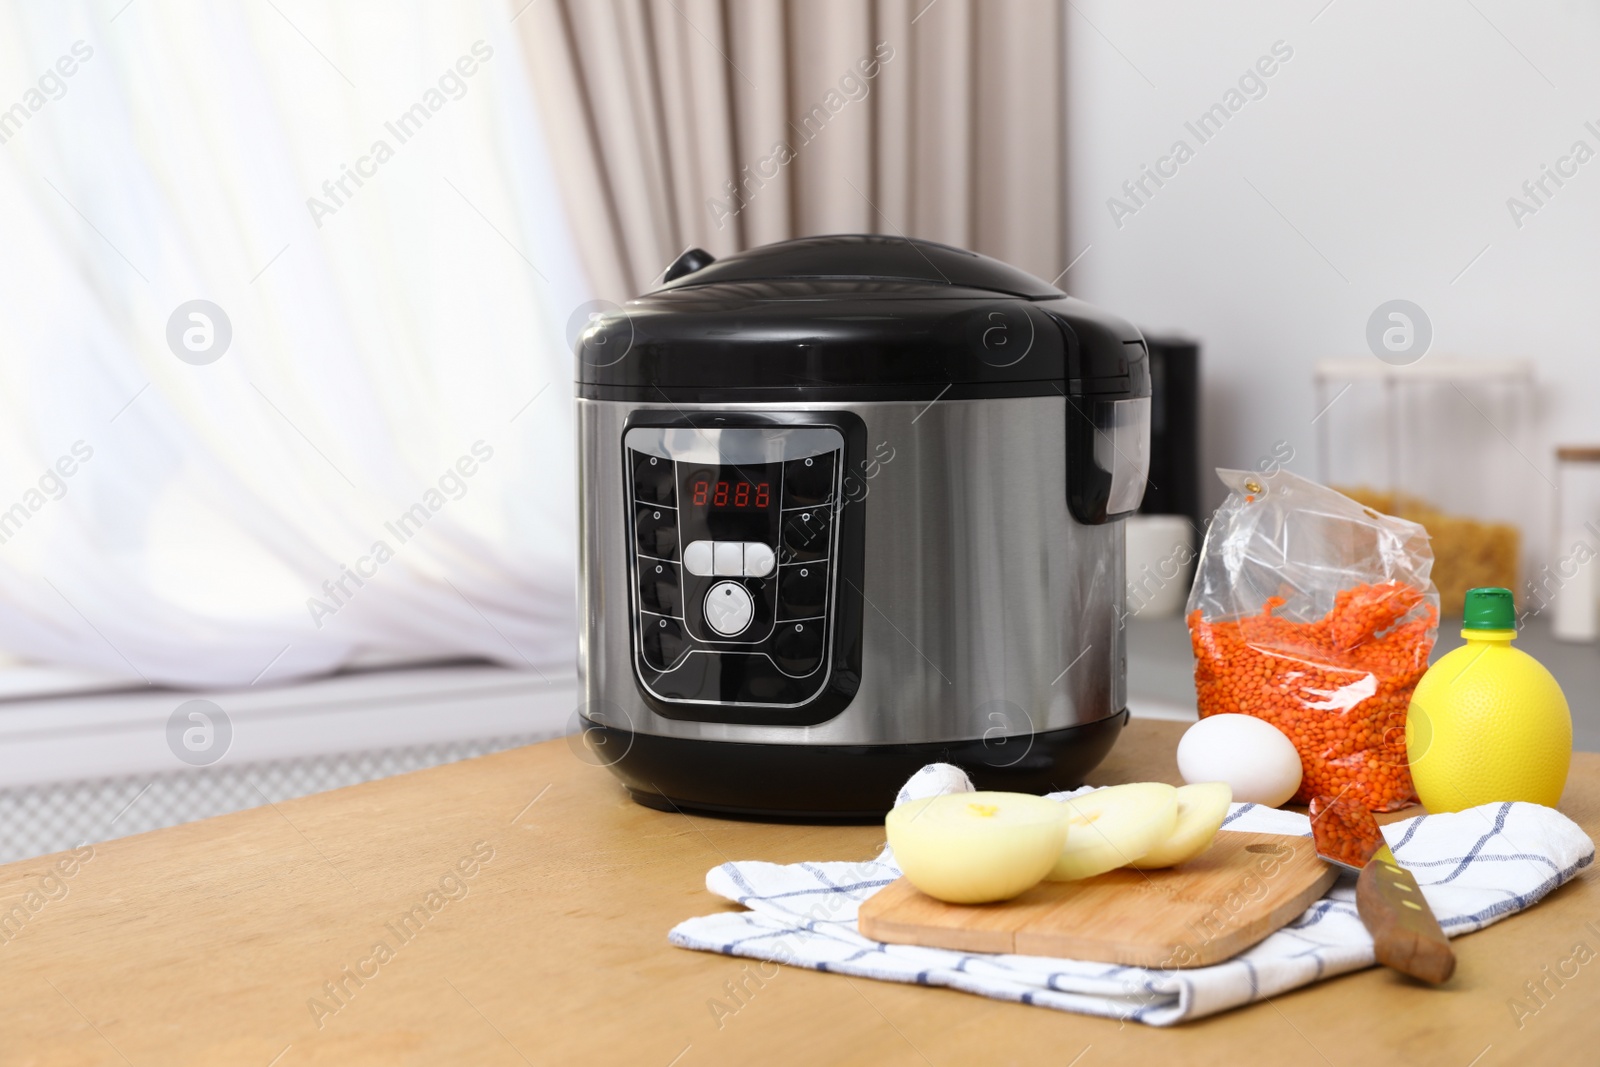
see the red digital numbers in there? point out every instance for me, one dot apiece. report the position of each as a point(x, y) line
point(738, 495)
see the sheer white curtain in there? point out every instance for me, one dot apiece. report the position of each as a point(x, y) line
point(379, 461)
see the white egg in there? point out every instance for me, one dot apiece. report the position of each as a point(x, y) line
point(1251, 755)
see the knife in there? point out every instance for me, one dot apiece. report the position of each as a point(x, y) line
point(1405, 934)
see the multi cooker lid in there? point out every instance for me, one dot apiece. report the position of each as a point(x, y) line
point(855, 318)
point(867, 258)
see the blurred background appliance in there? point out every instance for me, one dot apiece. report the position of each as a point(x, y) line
point(1174, 487)
point(1163, 536)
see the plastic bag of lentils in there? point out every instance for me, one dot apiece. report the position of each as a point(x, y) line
point(1316, 614)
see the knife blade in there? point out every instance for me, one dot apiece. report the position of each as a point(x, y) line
point(1405, 934)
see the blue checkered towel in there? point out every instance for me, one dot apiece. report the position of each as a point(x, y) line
point(1475, 867)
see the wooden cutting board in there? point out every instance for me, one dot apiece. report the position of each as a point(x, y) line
point(1208, 910)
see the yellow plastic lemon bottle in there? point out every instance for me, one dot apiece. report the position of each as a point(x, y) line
point(1487, 722)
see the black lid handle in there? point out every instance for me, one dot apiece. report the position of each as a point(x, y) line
point(688, 263)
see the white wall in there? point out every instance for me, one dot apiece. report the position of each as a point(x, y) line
point(1391, 139)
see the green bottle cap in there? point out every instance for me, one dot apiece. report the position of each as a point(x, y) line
point(1489, 608)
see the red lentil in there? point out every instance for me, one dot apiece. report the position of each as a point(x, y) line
point(1344, 831)
point(1338, 687)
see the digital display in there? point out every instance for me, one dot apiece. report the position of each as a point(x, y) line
point(730, 503)
point(750, 488)
point(726, 493)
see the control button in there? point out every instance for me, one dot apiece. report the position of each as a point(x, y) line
point(697, 557)
point(805, 535)
point(802, 590)
point(759, 559)
point(808, 482)
point(728, 558)
point(729, 608)
point(798, 646)
point(662, 640)
point(660, 587)
point(657, 532)
point(654, 480)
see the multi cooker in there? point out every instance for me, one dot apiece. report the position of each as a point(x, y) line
point(850, 505)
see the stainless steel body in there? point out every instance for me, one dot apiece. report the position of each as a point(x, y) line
point(989, 610)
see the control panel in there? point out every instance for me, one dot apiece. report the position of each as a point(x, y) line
point(734, 551)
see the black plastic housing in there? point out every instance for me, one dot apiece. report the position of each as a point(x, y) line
point(855, 318)
point(840, 783)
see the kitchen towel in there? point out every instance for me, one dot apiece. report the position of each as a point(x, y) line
point(1475, 867)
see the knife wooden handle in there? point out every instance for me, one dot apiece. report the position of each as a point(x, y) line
point(1405, 934)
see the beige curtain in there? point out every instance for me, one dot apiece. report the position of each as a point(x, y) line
point(731, 123)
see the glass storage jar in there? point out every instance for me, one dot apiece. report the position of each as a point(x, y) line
point(1444, 442)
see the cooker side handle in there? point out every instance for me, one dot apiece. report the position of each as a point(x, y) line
point(1107, 394)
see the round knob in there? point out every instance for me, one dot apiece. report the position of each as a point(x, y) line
point(729, 608)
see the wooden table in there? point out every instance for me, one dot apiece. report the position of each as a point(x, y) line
point(212, 943)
